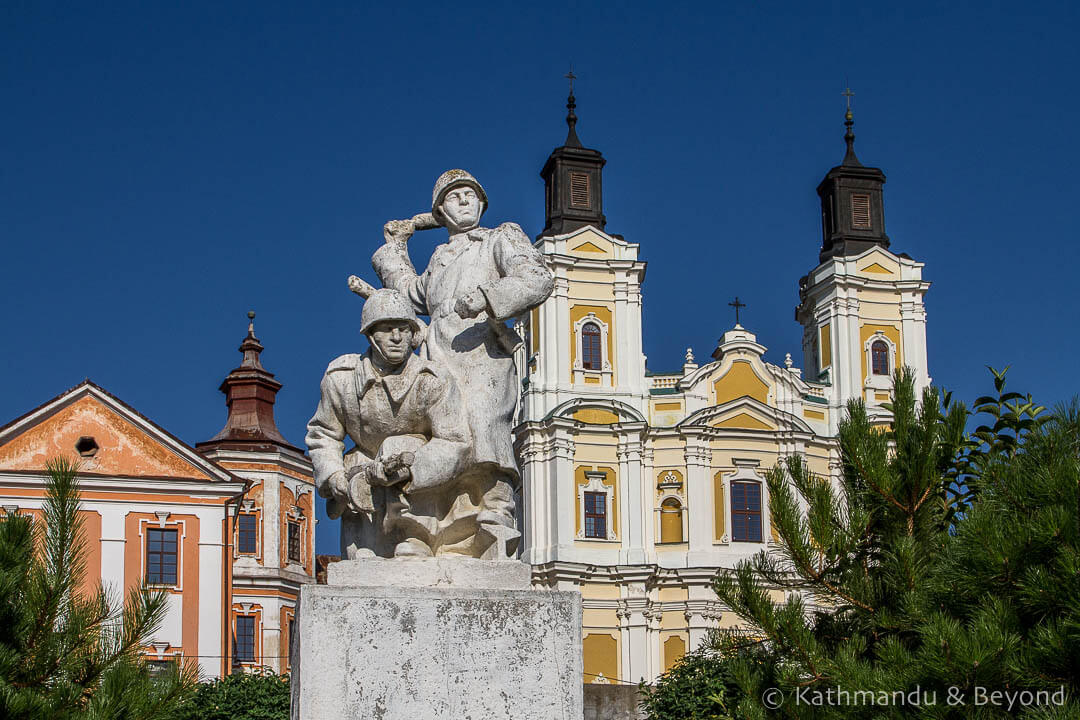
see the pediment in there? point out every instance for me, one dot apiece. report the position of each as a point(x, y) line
point(597, 412)
point(877, 262)
point(128, 444)
point(745, 413)
point(743, 420)
point(591, 243)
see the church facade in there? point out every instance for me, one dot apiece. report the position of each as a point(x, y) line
point(638, 487)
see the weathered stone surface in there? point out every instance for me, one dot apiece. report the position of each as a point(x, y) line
point(411, 653)
point(431, 573)
point(612, 702)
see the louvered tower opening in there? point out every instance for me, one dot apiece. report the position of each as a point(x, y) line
point(579, 190)
point(860, 212)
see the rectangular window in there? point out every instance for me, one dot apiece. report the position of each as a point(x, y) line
point(160, 556)
point(860, 212)
point(246, 525)
point(579, 190)
point(245, 638)
point(596, 515)
point(746, 511)
point(294, 542)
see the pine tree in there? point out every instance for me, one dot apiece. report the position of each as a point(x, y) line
point(880, 585)
point(64, 653)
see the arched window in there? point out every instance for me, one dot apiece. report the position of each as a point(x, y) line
point(746, 511)
point(671, 521)
point(879, 358)
point(590, 347)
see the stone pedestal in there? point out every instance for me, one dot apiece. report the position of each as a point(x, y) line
point(450, 639)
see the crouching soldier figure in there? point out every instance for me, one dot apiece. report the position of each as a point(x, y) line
point(398, 491)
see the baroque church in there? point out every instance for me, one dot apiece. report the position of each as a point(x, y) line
point(638, 486)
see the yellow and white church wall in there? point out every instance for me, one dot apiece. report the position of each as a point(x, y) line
point(666, 451)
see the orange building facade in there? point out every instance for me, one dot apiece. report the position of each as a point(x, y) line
point(225, 527)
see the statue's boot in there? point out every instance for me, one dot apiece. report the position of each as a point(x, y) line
point(412, 548)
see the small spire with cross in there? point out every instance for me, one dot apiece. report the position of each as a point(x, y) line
point(737, 305)
point(849, 133)
point(251, 347)
point(571, 119)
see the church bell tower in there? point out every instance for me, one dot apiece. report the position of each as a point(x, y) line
point(573, 194)
point(862, 307)
point(852, 213)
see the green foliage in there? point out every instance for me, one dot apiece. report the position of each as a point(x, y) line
point(242, 696)
point(65, 653)
point(1014, 416)
point(889, 588)
point(694, 689)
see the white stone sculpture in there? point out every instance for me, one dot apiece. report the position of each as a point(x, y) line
point(433, 472)
point(396, 489)
point(473, 284)
point(424, 619)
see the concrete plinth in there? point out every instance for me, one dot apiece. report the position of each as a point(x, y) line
point(433, 639)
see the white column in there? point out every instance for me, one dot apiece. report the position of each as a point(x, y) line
point(635, 514)
point(633, 639)
point(536, 503)
point(560, 353)
point(648, 475)
point(563, 494)
point(211, 592)
point(272, 649)
point(637, 350)
point(623, 362)
point(698, 494)
point(271, 517)
point(112, 549)
point(913, 325)
point(853, 352)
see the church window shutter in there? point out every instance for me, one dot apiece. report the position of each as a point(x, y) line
point(596, 515)
point(746, 511)
point(246, 533)
point(879, 358)
point(579, 190)
point(245, 638)
point(294, 542)
point(860, 212)
point(161, 557)
point(590, 347)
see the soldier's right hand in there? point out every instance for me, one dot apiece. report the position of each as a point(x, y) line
point(398, 231)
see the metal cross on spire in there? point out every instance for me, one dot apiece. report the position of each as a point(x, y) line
point(848, 95)
point(571, 77)
point(737, 305)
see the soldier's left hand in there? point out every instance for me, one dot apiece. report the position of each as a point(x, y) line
point(397, 468)
point(471, 304)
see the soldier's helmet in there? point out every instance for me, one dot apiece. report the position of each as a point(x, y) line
point(450, 180)
point(386, 304)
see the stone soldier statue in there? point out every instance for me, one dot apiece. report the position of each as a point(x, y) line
point(474, 283)
point(399, 491)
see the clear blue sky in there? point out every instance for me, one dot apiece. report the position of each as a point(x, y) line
point(164, 167)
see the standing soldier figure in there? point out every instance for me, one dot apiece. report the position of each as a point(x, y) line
point(474, 283)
